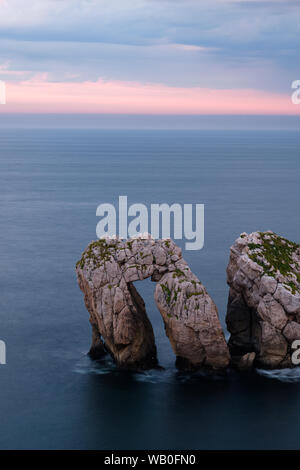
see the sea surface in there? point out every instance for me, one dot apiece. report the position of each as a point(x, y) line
point(52, 396)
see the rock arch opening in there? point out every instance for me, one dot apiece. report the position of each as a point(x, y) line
point(165, 353)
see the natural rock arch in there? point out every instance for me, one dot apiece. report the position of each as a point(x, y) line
point(120, 325)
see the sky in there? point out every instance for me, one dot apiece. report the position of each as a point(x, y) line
point(150, 57)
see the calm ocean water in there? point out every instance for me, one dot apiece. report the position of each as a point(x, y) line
point(51, 181)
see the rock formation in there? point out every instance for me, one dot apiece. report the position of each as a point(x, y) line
point(120, 325)
point(263, 314)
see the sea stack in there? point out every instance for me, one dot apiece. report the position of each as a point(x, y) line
point(263, 314)
point(120, 325)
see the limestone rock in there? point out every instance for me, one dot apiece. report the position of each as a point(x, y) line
point(263, 314)
point(246, 362)
point(120, 325)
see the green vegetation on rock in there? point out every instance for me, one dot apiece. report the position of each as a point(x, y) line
point(275, 254)
point(97, 252)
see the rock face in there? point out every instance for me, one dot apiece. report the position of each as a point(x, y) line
point(120, 325)
point(263, 314)
point(246, 362)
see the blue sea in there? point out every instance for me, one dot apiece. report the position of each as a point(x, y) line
point(52, 396)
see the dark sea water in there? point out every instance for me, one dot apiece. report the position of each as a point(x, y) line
point(52, 396)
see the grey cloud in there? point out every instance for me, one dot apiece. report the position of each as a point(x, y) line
point(246, 45)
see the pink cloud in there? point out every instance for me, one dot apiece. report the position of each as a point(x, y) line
point(40, 95)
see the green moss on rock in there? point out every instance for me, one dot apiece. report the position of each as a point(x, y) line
point(97, 253)
point(275, 255)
